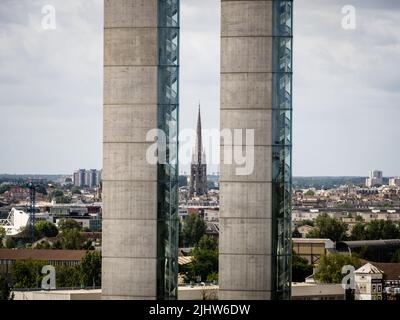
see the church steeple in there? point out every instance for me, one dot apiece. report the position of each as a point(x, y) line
point(199, 142)
point(198, 171)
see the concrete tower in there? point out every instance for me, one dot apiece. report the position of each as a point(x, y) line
point(255, 209)
point(140, 220)
point(198, 169)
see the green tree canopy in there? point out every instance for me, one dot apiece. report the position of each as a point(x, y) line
point(68, 224)
point(62, 199)
point(40, 188)
point(90, 269)
point(2, 235)
point(375, 230)
point(68, 277)
point(358, 232)
point(205, 260)
point(45, 229)
point(72, 239)
point(301, 269)
point(193, 229)
point(56, 193)
point(207, 243)
point(4, 188)
point(10, 243)
point(27, 274)
point(76, 190)
point(330, 266)
point(310, 193)
point(327, 227)
point(296, 233)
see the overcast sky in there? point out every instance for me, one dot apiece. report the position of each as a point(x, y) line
point(346, 84)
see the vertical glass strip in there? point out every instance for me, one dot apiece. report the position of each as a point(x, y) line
point(167, 173)
point(282, 148)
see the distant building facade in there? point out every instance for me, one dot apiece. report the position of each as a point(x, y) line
point(198, 169)
point(87, 178)
point(394, 182)
point(375, 178)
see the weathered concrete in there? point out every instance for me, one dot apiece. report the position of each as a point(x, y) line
point(129, 181)
point(245, 267)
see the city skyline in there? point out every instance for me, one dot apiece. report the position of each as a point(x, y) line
point(51, 85)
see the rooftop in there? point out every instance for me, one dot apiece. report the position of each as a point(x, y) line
point(44, 255)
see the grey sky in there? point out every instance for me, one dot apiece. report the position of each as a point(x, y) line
point(346, 84)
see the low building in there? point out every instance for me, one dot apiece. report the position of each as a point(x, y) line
point(368, 282)
point(80, 294)
point(312, 249)
point(317, 291)
point(51, 257)
point(198, 292)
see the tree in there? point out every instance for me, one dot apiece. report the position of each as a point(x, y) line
point(90, 269)
point(390, 230)
point(207, 243)
point(193, 229)
point(4, 188)
point(296, 233)
point(4, 289)
point(27, 274)
point(55, 194)
point(40, 188)
point(330, 267)
point(76, 190)
point(359, 219)
point(310, 193)
point(358, 232)
point(205, 259)
point(379, 229)
point(45, 229)
point(10, 243)
point(62, 199)
point(2, 236)
point(327, 227)
point(68, 224)
point(301, 269)
point(68, 277)
point(72, 239)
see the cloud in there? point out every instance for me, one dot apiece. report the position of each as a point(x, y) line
point(346, 84)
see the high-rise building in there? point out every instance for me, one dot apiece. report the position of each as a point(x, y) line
point(82, 177)
point(76, 179)
point(140, 198)
point(375, 178)
point(93, 178)
point(256, 94)
point(198, 168)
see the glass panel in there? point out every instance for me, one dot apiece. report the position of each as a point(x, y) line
point(283, 57)
point(167, 120)
point(282, 150)
point(283, 18)
point(282, 127)
point(282, 91)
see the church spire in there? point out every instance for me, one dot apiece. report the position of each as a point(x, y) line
point(198, 169)
point(199, 143)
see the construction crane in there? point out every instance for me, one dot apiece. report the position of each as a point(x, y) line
point(32, 210)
